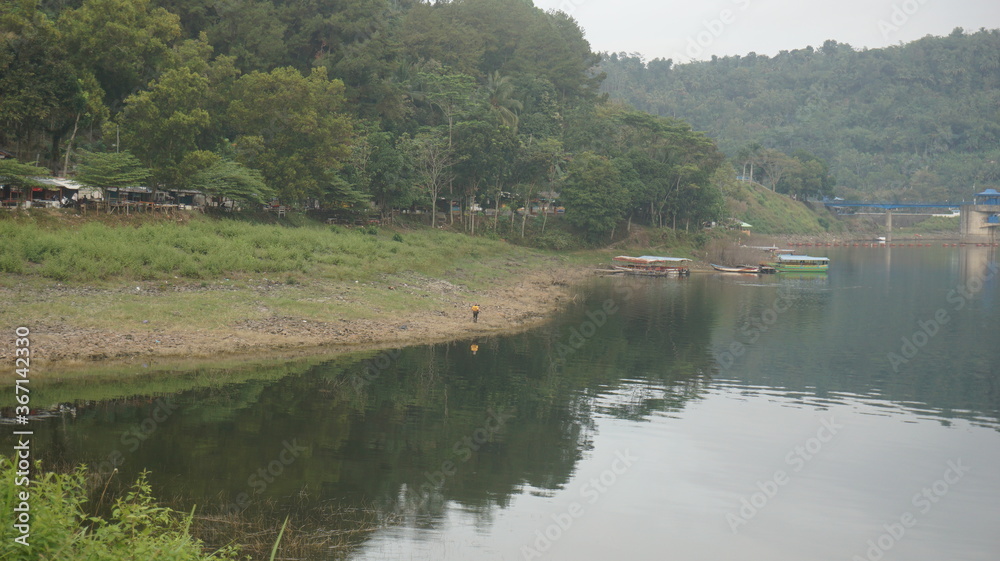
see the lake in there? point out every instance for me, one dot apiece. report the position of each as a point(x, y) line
point(847, 415)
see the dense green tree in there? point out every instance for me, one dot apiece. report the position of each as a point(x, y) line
point(112, 170)
point(499, 94)
point(446, 91)
point(775, 165)
point(540, 165)
point(667, 164)
point(196, 89)
point(437, 32)
point(808, 176)
point(485, 156)
point(41, 93)
point(231, 180)
point(380, 166)
point(291, 127)
point(20, 175)
point(595, 200)
point(164, 123)
point(122, 42)
point(252, 32)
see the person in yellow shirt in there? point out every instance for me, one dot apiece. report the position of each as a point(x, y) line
point(475, 313)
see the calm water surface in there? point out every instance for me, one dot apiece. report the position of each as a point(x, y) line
point(839, 416)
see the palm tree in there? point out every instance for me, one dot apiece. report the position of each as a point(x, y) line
point(499, 91)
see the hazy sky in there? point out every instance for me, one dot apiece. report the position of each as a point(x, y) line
point(695, 30)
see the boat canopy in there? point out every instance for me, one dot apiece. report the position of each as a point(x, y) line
point(646, 259)
point(783, 258)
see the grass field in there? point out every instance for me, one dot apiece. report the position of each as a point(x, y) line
point(63, 247)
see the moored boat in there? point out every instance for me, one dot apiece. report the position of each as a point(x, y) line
point(800, 264)
point(745, 269)
point(651, 265)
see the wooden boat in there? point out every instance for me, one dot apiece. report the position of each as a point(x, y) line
point(773, 249)
point(745, 269)
point(651, 265)
point(800, 264)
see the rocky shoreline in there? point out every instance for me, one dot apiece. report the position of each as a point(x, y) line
point(524, 300)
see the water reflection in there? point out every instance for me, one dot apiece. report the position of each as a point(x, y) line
point(701, 378)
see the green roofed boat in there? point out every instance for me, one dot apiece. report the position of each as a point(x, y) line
point(800, 264)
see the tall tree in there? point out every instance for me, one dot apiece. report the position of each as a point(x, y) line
point(499, 92)
point(541, 163)
point(163, 124)
point(775, 165)
point(42, 95)
point(123, 42)
point(446, 91)
point(381, 167)
point(433, 159)
point(594, 198)
point(485, 156)
point(292, 128)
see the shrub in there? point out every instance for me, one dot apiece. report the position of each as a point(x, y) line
point(10, 264)
point(60, 528)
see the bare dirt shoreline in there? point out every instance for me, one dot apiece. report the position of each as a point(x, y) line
point(519, 298)
point(519, 302)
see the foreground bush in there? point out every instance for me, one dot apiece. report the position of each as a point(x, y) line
point(60, 529)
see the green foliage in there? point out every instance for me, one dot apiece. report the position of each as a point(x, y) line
point(164, 123)
point(277, 542)
point(61, 528)
point(210, 248)
point(291, 128)
point(557, 240)
point(13, 172)
point(807, 176)
point(771, 213)
point(594, 197)
point(39, 89)
point(914, 121)
point(112, 170)
point(446, 91)
point(934, 224)
point(123, 42)
point(234, 181)
point(432, 159)
point(380, 166)
point(347, 103)
point(500, 90)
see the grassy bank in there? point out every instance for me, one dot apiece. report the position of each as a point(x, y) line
point(104, 286)
point(774, 213)
point(68, 247)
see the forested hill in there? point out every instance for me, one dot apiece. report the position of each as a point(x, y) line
point(342, 103)
point(916, 121)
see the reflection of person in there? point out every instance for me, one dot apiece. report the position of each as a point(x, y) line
point(475, 313)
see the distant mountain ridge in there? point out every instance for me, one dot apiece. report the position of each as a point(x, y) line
point(919, 121)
